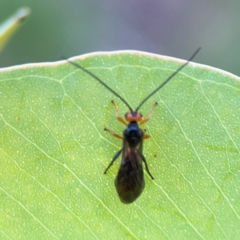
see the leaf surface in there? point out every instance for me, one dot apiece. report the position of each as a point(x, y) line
point(54, 151)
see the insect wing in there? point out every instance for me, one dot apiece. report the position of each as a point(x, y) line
point(129, 182)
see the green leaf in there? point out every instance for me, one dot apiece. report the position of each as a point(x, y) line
point(54, 151)
point(11, 25)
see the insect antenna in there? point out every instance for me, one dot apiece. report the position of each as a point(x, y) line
point(100, 81)
point(168, 79)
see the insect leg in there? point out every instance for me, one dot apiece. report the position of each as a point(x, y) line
point(114, 158)
point(145, 136)
point(149, 114)
point(113, 133)
point(146, 166)
point(120, 119)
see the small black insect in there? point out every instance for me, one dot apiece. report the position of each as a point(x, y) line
point(130, 182)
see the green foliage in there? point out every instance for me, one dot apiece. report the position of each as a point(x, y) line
point(53, 150)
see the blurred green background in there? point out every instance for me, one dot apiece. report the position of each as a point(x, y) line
point(174, 28)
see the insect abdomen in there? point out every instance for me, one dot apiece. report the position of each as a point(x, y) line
point(129, 182)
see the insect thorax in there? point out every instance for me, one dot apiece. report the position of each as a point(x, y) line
point(133, 134)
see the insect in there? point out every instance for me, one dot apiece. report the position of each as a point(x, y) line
point(130, 182)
